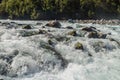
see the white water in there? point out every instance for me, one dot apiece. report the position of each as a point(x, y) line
point(24, 58)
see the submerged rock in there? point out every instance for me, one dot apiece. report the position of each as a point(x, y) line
point(78, 45)
point(54, 24)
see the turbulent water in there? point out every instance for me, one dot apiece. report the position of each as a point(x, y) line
point(51, 54)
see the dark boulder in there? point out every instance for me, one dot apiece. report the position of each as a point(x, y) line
point(69, 27)
point(27, 27)
point(89, 29)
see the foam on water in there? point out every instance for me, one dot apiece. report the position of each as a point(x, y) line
point(31, 58)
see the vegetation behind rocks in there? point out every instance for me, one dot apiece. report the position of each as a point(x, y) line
point(60, 9)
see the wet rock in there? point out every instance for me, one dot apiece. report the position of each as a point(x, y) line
point(69, 27)
point(93, 35)
point(97, 35)
point(50, 42)
point(89, 29)
point(27, 33)
point(43, 26)
point(72, 33)
point(5, 24)
point(61, 38)
point(90, 55)
point(54, 24)
point(42, 31)
point(81, 33)
point(27, 27)
point(103, 36)
point(78, 45)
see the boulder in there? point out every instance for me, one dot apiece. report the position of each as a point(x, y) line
point(54, 24)
point(69, 27)
point(97, 35)
point(72, 33)
point(89, 29)
point(93, 35)
point(27, 27)
point(78, 45)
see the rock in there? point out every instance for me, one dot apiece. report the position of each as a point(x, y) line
point(27, 27)
point(93, 35)
point(5, 24)
point(72, 33)
point(26, 33)
point(42, 31)
point(43, 26)
point(103, 36)
point(89, 29)
point(69, 27)
point(97, 35)
point(50, 42)
point(81, 33)
point(78, 45)
point(54, 24)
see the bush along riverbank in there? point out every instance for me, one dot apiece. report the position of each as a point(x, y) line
point(59, 9)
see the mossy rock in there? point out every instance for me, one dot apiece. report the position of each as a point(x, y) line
point(72, 33)
point(78, 45)
point(27, 27)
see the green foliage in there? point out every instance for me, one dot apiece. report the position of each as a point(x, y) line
point(32, 9)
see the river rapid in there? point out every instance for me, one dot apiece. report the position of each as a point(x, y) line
point(67, 52)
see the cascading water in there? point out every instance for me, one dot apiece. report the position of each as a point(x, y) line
point(74, 51)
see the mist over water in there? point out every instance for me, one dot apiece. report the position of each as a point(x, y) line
point(27, 55)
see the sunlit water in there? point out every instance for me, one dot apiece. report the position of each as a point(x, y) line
point(27, 58)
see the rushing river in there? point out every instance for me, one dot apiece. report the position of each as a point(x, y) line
point(49, 53)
